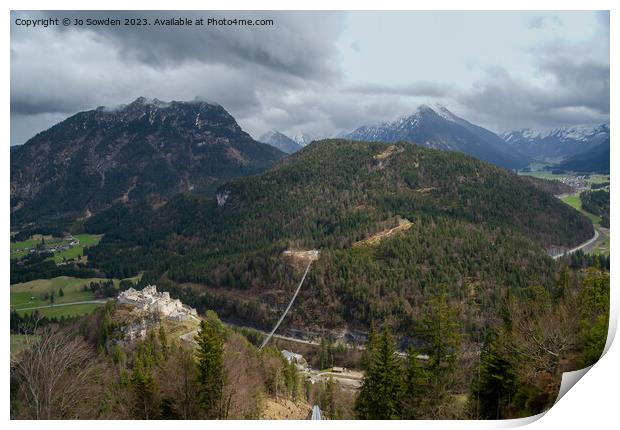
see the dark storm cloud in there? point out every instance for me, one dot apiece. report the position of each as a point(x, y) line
point(294, 76)
point(574, 92)
point(296, 44)
point(67, 69)
point(30, 106)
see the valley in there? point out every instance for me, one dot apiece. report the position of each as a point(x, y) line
point(581, 183)
point(309, 214)
point(310, 276)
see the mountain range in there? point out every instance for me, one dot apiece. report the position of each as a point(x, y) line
point(559, 143)
point(441, 129)
point(150, 150)
point(146, 150)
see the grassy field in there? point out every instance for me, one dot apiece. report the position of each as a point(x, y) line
point(543, 175)
point(574, 201)
point(31, 295)
point(33, 241)
point(69, 310)
point(597, 179)
point(602, 245)
point(76, 252)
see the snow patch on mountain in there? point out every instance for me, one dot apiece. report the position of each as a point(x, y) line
point(575, 132)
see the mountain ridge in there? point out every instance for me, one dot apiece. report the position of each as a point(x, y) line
point(557, 143)
point(145, 149)
point(443, 130)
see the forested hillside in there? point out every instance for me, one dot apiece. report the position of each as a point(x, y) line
point(476, 228)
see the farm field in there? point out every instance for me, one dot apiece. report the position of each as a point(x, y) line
point(86, 240)
point(543, 175)
point(68, 310)
point(33, 241)
point(27, 296)
point(49, 242)
point(574, 201)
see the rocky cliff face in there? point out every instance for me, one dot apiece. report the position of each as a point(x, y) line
point(144, 150)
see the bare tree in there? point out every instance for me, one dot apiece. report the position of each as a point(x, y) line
point(177, 378)
point(56, 375)
point(244, 384)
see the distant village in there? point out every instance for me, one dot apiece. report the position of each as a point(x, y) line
point(43, 247)
point(575, 181)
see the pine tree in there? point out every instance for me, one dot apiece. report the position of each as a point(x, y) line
point(210, 361)
point(143, 383)
point(291, 378)
point(380, 394)
point(326, 356)
point(440, 331)
point(328, 403)
point(496, 381)
point(415, 382)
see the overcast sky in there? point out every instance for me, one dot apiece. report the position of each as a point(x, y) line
point(322, 73)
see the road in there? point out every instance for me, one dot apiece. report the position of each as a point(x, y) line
point(288, 307)
point(63, 304)
point(579, 247)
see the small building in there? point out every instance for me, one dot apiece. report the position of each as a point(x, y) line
point(337, 369)
point(295, 358)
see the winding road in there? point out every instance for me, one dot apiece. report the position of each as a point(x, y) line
point(579, 247)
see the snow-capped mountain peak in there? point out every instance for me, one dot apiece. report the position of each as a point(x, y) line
point(302, 138)
point(583, 132)
point(441, 129)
